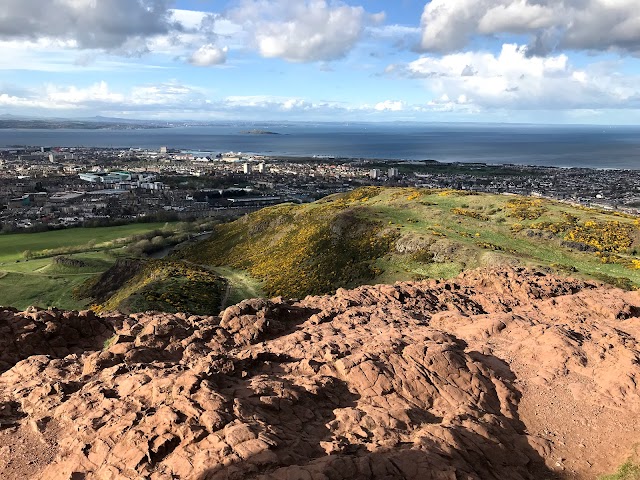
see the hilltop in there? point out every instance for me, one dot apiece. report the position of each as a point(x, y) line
point(496, 374)
point(382, 235)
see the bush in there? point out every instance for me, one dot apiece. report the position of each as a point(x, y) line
point(605, 237)
point(619, 282)
point(525, 209)
point(469, 213)
point(314, 252)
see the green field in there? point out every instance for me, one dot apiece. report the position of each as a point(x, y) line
point(12, 246)
point(43, 281)
point(383, 235)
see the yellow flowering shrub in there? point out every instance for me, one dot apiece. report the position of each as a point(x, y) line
point(469, 213)
point(525, 208)
point(613, 236)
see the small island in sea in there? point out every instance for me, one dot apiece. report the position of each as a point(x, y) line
point(259, 132)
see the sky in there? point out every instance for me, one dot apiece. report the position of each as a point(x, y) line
point(519, 61)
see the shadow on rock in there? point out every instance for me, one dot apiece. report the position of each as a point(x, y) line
point(49, 332)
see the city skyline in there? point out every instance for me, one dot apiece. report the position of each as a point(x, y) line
point(440, 61)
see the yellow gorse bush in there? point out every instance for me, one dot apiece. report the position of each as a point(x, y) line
point(611, 236)
point(525, 209)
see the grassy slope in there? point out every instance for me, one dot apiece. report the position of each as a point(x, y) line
point(351, 239)
point(44, 283)
point(240, 285)
point(172, 287)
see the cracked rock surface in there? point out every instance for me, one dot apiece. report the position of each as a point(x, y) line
point(503, 374)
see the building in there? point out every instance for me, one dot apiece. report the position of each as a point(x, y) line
point(393, 172)
point(263, 168)
point(375, 174)
point(246, 168)
point(104, 177)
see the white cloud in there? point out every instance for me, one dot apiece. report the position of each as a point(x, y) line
point(389, 105)
point(512, 80)
point(266, 103)
point(7, 100)
point(449, 25)
point(168, 95)
point(176, 100)
point(98, 93)
point(209, 55)
point(303, 30)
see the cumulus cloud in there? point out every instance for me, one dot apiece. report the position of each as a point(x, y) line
point(88, 24)
point(98, 93)
point(209, 55)
point(449, 25)
point(513, 80)
point(183, 101)
point(303, 30)
point(389, 106)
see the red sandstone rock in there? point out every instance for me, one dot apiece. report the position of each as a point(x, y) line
point(507, 374)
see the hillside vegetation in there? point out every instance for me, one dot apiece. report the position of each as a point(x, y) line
point(382, 235)
point(157, 285)
point(45, 269)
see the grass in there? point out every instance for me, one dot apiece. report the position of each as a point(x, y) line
point(44, 281)
point(108, 342)
point(351, 239)
point(240, 285)
point(628, 471)
point(13, 245)
point(370, 235)
point(171, 287)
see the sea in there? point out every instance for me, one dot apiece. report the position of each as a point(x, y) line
point(601, 147)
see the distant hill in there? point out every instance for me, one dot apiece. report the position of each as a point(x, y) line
point(92, 123)
point(382, 235)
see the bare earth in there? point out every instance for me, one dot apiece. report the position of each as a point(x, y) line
point(507, 374)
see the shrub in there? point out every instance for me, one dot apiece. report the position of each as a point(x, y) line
point(611, 236)
point(314, 252)
point(469, 213)
point(525, 208)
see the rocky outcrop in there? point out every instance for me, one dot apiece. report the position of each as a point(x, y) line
point(507, 374)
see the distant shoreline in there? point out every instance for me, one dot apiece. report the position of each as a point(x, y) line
point(588, 147)
point(73, 125)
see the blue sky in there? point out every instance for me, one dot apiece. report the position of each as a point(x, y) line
point(535, 61)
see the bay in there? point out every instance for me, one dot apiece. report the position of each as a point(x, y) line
point(544, 145)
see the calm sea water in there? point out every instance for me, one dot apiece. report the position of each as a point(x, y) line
point(561, 146)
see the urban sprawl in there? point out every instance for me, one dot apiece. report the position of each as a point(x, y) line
point(42, 187)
